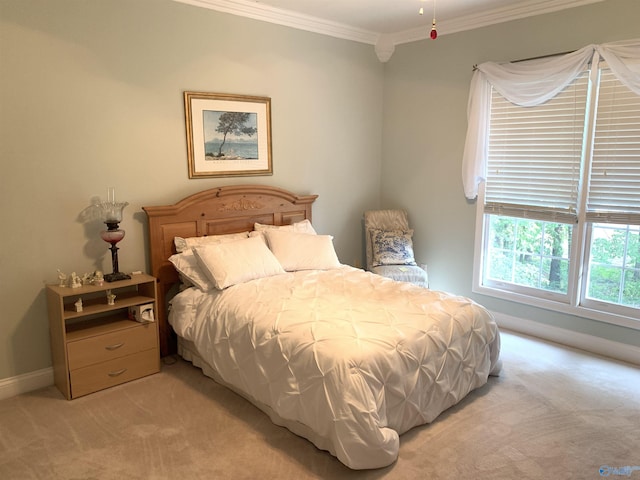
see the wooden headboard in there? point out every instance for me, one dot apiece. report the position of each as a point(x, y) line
point(216, 211)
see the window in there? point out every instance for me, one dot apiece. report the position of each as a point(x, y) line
point(528, 253)
point(614, 265)
point(560, 205)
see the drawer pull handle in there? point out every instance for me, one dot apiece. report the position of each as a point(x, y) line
point(119, 372)
point(114, 347)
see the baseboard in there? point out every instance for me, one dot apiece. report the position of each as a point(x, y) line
point(10, 387)
point(600, 346)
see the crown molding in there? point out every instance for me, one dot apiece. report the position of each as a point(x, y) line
point(287, 18)
point(488, 17)
point(384, 43)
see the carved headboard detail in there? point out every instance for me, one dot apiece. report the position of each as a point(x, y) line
point(217, 211)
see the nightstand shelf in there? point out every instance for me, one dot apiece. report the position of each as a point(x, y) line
point(99, 346)
point(97, 326)
point(96, 306)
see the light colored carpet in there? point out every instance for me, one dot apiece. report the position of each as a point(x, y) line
point(553, 413)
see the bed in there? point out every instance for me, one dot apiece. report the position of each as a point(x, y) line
point(343, 357)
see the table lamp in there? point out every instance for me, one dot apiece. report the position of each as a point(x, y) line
point(112, 216)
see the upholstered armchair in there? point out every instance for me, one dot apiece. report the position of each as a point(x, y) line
point(389, 247)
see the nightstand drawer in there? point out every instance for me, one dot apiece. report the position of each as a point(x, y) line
point(101, 348)
point(103, 375)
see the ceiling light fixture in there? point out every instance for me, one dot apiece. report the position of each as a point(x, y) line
point(434, 32)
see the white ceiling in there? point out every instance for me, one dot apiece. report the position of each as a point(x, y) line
point(386, 23)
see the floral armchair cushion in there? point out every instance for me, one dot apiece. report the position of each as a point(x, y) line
point(392, 247)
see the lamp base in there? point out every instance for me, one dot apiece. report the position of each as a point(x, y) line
point(116, 276)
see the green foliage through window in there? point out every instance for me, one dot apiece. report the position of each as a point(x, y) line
point(614, 268)
point(530, 253)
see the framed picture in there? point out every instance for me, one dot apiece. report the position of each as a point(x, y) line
point(227, 135)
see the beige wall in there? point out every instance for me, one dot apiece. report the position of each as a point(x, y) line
point(91, 97)
point(426, 92)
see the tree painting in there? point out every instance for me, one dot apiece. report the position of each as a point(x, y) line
point(228, 135)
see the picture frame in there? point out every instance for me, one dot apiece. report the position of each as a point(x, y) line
point(227, 135)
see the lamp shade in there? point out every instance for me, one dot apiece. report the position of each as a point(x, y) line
point(112, 212)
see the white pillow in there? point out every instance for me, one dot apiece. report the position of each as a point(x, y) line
point(186, 244)
point(190, 272)
point(392, 247)
point(301, 251)
point(227, 264)
point(303, 226)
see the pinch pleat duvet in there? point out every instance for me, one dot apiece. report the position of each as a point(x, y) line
point(349, 359)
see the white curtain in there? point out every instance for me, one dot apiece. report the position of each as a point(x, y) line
point(532, 83)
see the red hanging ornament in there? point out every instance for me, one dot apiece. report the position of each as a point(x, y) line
point(434, 32)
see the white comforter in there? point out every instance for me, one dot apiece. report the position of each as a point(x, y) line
point(346, 358)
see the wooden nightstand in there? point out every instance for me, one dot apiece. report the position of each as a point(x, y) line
point(100, 347)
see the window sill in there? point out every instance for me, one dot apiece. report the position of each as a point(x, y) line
point(555, 306)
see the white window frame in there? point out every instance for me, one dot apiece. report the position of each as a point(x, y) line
point(575, 301)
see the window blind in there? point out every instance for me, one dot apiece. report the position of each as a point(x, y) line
point(534, 156)
point(614, 185)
